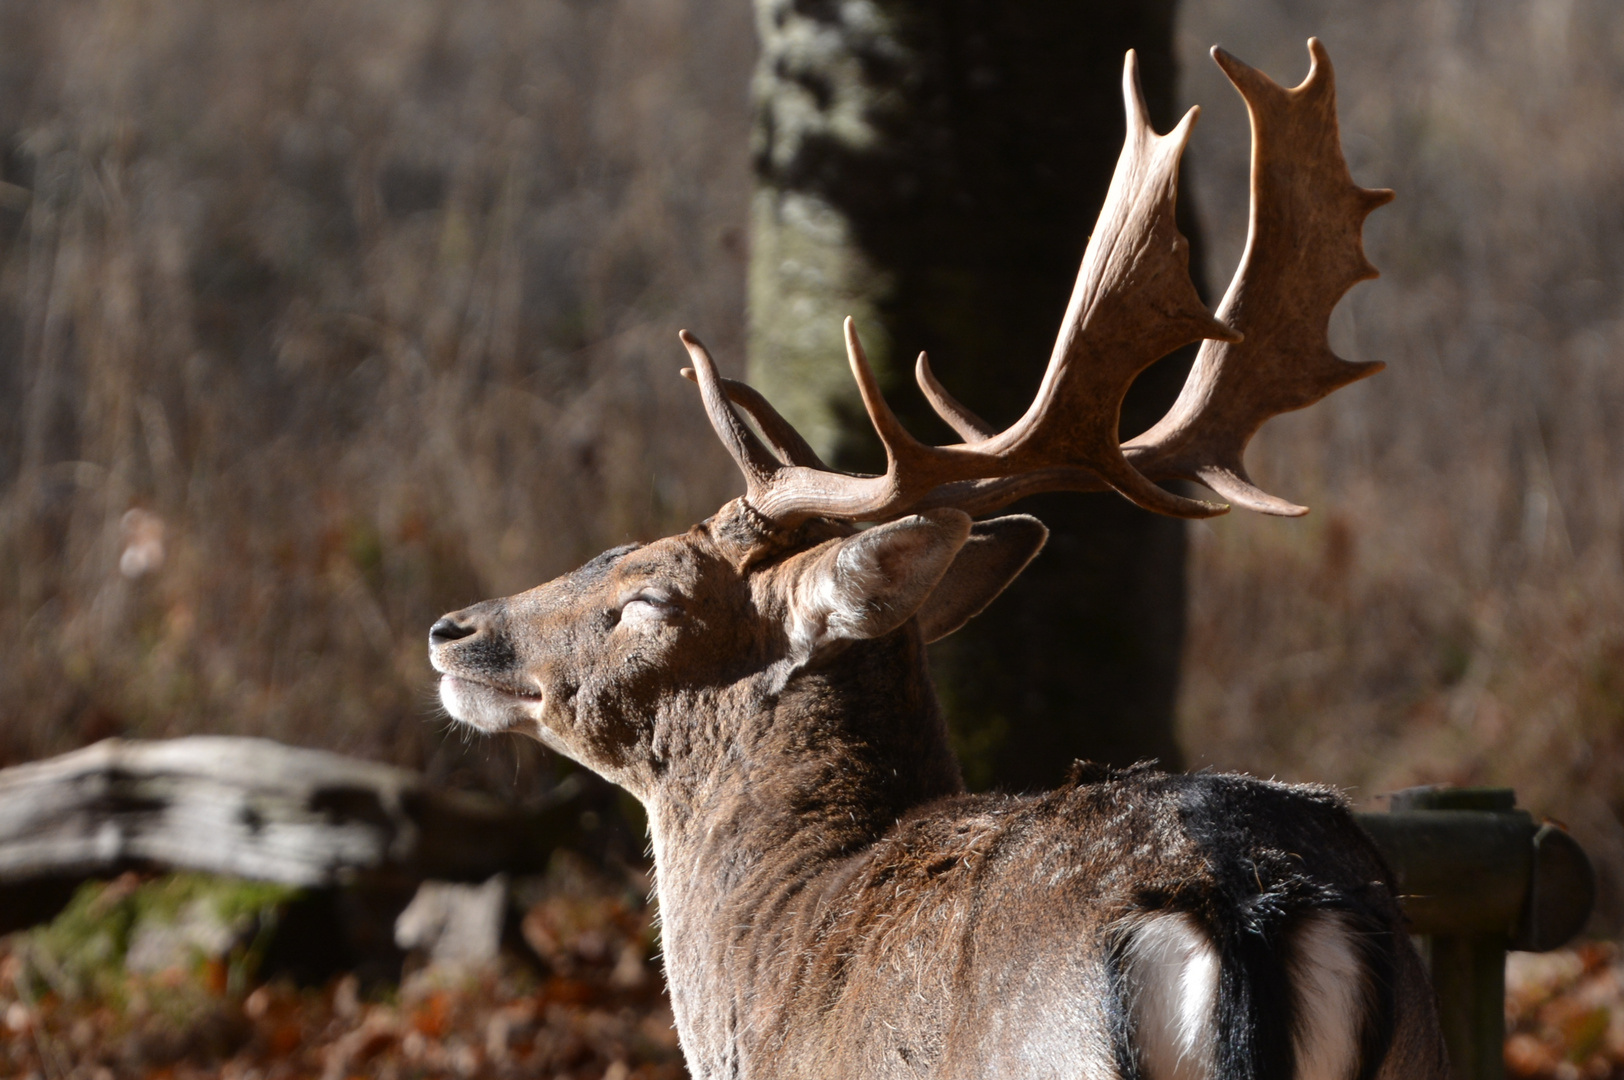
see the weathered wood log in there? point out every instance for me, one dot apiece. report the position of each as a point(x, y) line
point(256, 809)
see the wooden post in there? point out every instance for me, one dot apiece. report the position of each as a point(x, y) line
point(1469, 977)
point(1477, 876)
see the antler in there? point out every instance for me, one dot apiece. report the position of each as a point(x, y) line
point(1132, 304)
point(1304, 250)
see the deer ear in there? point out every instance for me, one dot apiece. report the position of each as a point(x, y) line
point(873, 582)
point(995, 554)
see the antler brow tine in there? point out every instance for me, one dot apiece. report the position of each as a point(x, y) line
point(753, 459)
point(785, 441)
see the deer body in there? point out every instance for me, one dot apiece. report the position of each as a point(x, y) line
point(990, 937)
point(833, 904)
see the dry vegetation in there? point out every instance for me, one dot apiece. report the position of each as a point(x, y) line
point(366, 310)
point(1454, 610)
point(316, 320)
point(577, 998)
point(1565, 1014)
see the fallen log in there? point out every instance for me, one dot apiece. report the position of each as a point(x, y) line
point(257, 809)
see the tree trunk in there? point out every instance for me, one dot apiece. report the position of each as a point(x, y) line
point(933, 168)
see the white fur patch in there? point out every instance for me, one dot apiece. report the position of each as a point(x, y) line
point(1173, 970)
point(479, 706)
point(816, 597)
point(858, 588)
point(1329, 984)
point(837, 598)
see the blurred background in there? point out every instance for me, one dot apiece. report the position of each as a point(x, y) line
point(318, 320)
point(1453, 610)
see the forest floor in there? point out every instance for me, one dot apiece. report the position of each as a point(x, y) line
point(579, 995)
point(1565, 1013)
point(583, 1001)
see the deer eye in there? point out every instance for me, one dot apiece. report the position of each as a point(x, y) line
point(648, 606)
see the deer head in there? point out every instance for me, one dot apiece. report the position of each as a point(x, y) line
point(610, 664)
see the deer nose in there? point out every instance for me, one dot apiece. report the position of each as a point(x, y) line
point(449, 629)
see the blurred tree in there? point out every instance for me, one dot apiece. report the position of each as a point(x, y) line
point(933, 168)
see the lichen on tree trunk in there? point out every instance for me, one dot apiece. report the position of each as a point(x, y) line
point(933, 168)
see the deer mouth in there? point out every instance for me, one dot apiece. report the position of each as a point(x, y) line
point(487, 706)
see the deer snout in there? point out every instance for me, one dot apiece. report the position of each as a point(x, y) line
point(447, 628)
point(474, 643)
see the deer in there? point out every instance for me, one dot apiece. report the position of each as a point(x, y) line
point(833, 903)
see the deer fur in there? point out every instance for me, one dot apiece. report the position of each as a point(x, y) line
point(834, 904)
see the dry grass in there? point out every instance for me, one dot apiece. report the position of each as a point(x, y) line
point(369, 308)
point(1454, 611)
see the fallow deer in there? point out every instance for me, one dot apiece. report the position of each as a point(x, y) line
point(833, 903)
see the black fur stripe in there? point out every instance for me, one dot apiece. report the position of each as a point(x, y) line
point(1257, 1021)
point(1257, 1012)
point(1253, 983)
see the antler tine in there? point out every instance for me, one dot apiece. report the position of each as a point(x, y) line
point(901, 448)
point(759, 467)
point(969, 427)
point(912, 468)
point(791, 493)
point(785, 441)
point(1133, 303)
point(1304, 250)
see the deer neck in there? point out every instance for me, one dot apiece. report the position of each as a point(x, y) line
point(747, 852)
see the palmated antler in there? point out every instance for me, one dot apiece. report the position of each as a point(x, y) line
point(1303, 252)
point(1133, 303)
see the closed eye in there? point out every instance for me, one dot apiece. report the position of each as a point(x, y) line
point(647, 607)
